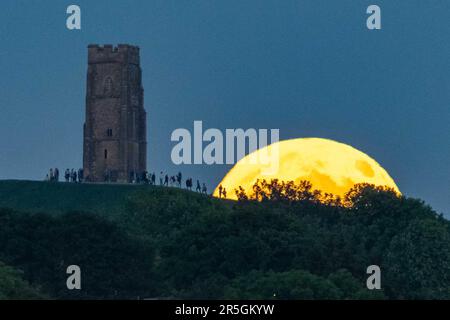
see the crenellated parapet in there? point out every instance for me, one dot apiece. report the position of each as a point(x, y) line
point(109, 53)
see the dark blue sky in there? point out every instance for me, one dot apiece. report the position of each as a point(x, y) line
point(310, 68)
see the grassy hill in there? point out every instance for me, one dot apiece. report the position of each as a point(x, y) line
point(167, 242)
point(56, 198)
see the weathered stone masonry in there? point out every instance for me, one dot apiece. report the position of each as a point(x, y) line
point(114, 147)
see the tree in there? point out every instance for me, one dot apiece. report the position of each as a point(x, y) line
point(417, 263)
point(12, 286)
point(293, 284)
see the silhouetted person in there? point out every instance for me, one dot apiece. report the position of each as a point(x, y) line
point(56, 175)
point(224, 192)
point(220, 191)
point(179, 176)
point(67, 175)
point(166, 180)
point(137, 177)
point(80, 175)
point(198, 189)
point(190, 184)
point(204, 188)
point(74, 176)
point(153, 178)
point(161, 177)
point(145, 177)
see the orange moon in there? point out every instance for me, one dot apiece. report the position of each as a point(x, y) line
point(330, 166)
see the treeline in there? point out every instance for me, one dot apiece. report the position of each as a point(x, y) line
point(171, 243)
point(41, 247)
point(300, 248)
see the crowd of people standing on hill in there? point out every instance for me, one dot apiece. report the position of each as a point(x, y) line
point(69, 175)
point(76, 176)
point(168, 181)
point(176, 181)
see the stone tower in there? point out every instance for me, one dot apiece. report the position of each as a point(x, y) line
point(114, 146)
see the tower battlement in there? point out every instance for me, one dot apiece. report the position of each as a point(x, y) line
point(109, 53)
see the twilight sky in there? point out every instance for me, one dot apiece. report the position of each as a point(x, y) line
point(310, 68)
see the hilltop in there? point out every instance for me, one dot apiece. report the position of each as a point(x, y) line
point(57, 198)
point(140, 241)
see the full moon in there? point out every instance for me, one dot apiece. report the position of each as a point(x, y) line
point(330, 166)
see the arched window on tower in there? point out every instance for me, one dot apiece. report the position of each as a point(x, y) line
point(108, 86)
point(106, 154)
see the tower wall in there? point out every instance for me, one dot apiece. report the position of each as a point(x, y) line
point(115, 127)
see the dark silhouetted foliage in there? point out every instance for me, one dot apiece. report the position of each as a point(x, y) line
point(288, 244)
point(12, 286)
point(113, 265)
